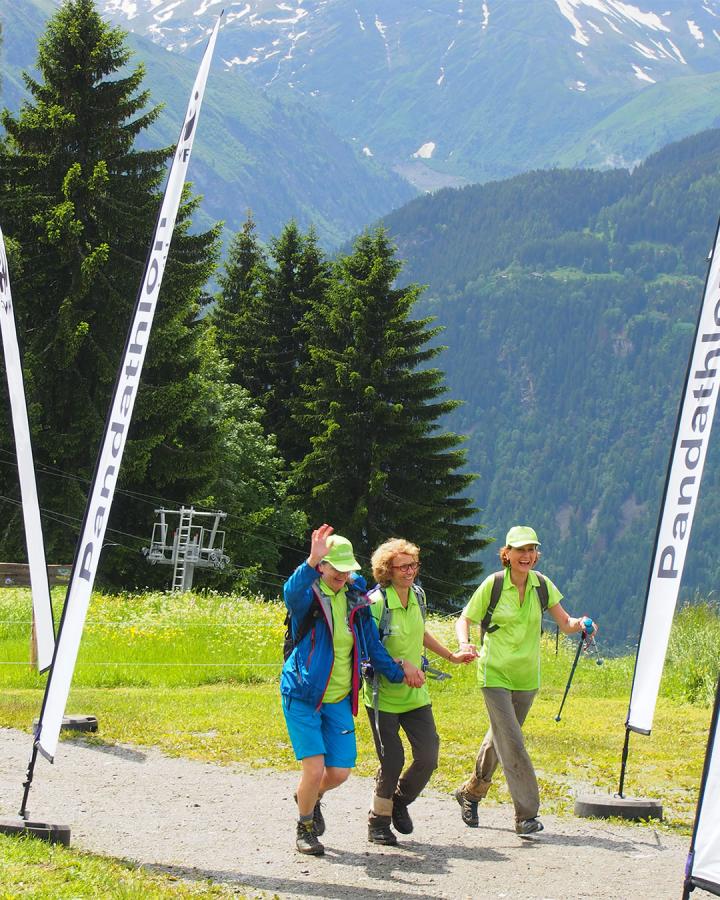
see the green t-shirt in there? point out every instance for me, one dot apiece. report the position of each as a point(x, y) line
point(341, 674)
point(406, 631)
point(510, 656)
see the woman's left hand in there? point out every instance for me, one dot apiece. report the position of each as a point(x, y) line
point(463, 656)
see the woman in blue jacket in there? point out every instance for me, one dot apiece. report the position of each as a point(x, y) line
point(335, 637)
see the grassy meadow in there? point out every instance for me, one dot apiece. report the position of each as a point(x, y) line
point(196, 675)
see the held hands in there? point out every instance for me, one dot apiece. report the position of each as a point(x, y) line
point(466, 654)
point(414, 677)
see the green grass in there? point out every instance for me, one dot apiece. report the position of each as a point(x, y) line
point(33, 870)
point(196, 676)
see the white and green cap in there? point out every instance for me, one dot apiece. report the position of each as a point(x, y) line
point(340, 554)
point(520, 535)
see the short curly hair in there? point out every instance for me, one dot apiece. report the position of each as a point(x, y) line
point(382, 558)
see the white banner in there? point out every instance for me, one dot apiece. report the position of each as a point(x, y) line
point(704, 861)
point(42, 609)
point(681, 493)
point(116, 430)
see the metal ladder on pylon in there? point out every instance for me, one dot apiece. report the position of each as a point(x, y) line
point(183, 544)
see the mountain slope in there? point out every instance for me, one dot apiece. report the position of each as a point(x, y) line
point(253, 150)
point(569, 300)
point(469, 91)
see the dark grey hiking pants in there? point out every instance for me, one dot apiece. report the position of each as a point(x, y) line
point(419, 726)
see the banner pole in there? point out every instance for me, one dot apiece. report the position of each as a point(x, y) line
point(28, 781)
point(623, 764)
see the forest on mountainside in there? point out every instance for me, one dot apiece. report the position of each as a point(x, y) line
point(569, 300)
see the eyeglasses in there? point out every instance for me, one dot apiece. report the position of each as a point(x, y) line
point(408, 567)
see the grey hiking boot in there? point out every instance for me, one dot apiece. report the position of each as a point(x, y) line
point(468, 808)
point(401, 817)
point(318, 820)
point(526, 827)
point(307, 841)
point(381, 833)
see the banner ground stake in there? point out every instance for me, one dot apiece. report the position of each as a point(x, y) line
point(44, 831)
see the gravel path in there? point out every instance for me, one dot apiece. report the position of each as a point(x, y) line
point(236, 826)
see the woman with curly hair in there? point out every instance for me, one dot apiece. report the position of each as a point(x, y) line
point(398, 606)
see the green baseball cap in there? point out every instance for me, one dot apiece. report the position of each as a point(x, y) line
point(340, 554)
point(520, 535)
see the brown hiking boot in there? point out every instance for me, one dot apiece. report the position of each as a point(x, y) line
point(468, 808)
point(307, 841)
point(382, 834)
point(526, 827)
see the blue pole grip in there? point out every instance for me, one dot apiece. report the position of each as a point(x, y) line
point(588, 626)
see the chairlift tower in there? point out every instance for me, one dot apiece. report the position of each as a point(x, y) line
point(191, 545)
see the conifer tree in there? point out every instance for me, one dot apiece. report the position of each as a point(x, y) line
point(265, 317)
point(380, 463)
point(82, 201)
point(238, 315)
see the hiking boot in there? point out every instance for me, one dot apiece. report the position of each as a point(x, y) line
point(381, 834)
point(318, 820)
point(307, 841)
point(401, 817)
point(469, 809)
point(526, 827)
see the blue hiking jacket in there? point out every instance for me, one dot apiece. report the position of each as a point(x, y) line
point(306, 672)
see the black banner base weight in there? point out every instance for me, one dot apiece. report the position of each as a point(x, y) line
point(44, 831)
point(602, 806)
point(75, 723)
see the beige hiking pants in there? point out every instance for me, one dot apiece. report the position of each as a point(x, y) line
point(504, 743)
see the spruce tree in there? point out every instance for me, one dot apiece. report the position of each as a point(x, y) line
point(238, 315)
point(381, 465)
point(265, 318)
point(82, 202)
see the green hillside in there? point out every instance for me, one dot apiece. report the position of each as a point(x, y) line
point(569, 300)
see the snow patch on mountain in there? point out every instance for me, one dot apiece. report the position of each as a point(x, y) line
point(642, 75)
point(696, 33)
point(426, 151)
point(611, 9)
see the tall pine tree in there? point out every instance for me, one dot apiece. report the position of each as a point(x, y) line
point(81, 202)
point(264, 318)
point(380, 463)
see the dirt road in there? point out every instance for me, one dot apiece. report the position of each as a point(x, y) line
point(236, 826)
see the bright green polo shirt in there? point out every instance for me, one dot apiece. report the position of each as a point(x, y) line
point(510, 656)
point(341, 675)
point(404, 641)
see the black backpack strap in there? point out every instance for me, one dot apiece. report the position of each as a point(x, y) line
point(542, 592)
point(498, 581)
point(306, 625)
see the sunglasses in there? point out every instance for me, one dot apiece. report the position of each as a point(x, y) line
point(408, 567)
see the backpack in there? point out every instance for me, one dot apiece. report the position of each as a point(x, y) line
point(498, 581)
point(384, 623)
point(307, 624)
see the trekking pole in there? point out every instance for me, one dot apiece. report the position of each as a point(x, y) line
point(582, 644)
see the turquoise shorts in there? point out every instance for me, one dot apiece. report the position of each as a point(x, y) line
point(328, 731)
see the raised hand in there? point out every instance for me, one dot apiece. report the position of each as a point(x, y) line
point(318, 544)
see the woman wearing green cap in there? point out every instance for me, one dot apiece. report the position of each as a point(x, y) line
point(333, 633)
point(509, 606)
